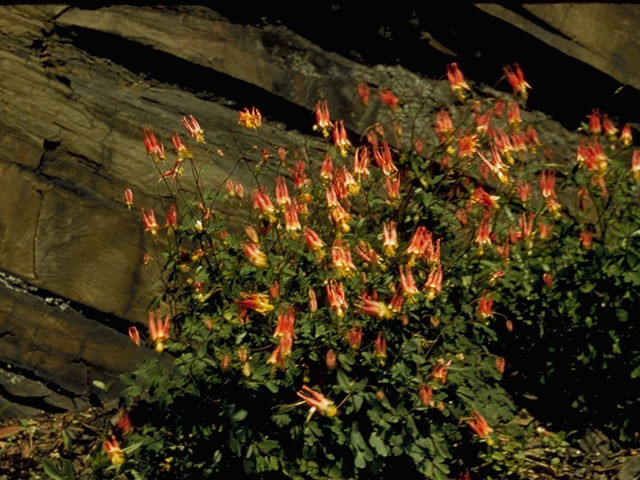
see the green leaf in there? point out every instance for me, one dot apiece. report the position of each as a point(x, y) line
point(239, 415)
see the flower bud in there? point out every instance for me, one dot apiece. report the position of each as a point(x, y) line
point(225, 362)
point(331, 359)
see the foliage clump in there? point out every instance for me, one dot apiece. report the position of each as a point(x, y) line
point(351, 326)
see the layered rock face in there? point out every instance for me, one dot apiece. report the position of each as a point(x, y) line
point(76, 87)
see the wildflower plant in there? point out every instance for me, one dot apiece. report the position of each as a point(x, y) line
point(351, 326)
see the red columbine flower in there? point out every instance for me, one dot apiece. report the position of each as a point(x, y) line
point(337, 300)
point(323, 120)
point(479, 425)
point(419, 244)
point(149, 221)
point(483, 235)
point(635, 164)
point(485, 306)
point(467, 146)
point(274, 290)
point(341, 218)
point(456, 80)
point(314, 242)
point(313, 301)
point(524, 191)
point(364, 91)
point(547, 278)
point(171, 221)
point(444, 125)
point(252, 234)
point(609, 128)
point(282, 193)
point(354, 337)
point(239, 190)
point(408, 283)
point(389, 238)
point(181, 149)
point(434, 283)
point(517, 81)
point(258, 302)
point(193, 128)
point(532, 138)
point(440, 371)
point(281, 352)
point(586, 237)
point(425, 394)
point(262, 202)
point(361, 163)
point(374, 308)
point(342, 260)
point(291, 222)
point(285, 323)
point(595, 126)
point(380, 348)
point(366, 253)
point(114, 452)
point(526, 226)
point(159, 329)
point(250, 118)
point(299, 177)
point(128, 198)
point(318, 402)
point(123, 421)
point(544, 230)
point(393, 188)
point(513, 115)
point(388, 98)
point(340, 139)
point(154, 148)
point(256, 256)
point(625, 136)
point(326, 170)
point(519, 142)
point(384, 160)
point(547, 184)
point(134, 336)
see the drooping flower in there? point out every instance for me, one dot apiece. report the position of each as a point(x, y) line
point(479, 425)
point(389, 99)
point(250, 118)
point(514, 119)
point(384, 160)
point(181, 149)
point(285, 323)
point(595, 125)
point(313, 301)
point(171, 220)
point(255, 255)
point(318, 402)
point(299, 177)
point(586, 237)
point(364, 92)
point(258, 302)
point(425, 394)
point(440, 371)
point(354, 337)
point(291, 222)
point(336, 296)
point(326, 170)
point(134, 336)
point(323, 120)
point(128, 198)
point(149, 221)
point(635, 164)
point(393, 188)
point(457, 81)
point(547, 184)
point(524, 191)
point(314, 242)
point(389, 238)
point(420, 242)
point(262, 202)
point(113, 450)
point(159, 330)
point(483, 235)
point(153, 147)
point(625, 136)
point(282, 193)
point(467, 146)
point(193, 128)
point(380, 348)
point(408, 283)
point(485, 306)
point(340, 139)
point(610, 130)
point(434, 283)
point(341, 258)
point(361, 162)
point(517, 81)
point(444, 125)
point(374, 308)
